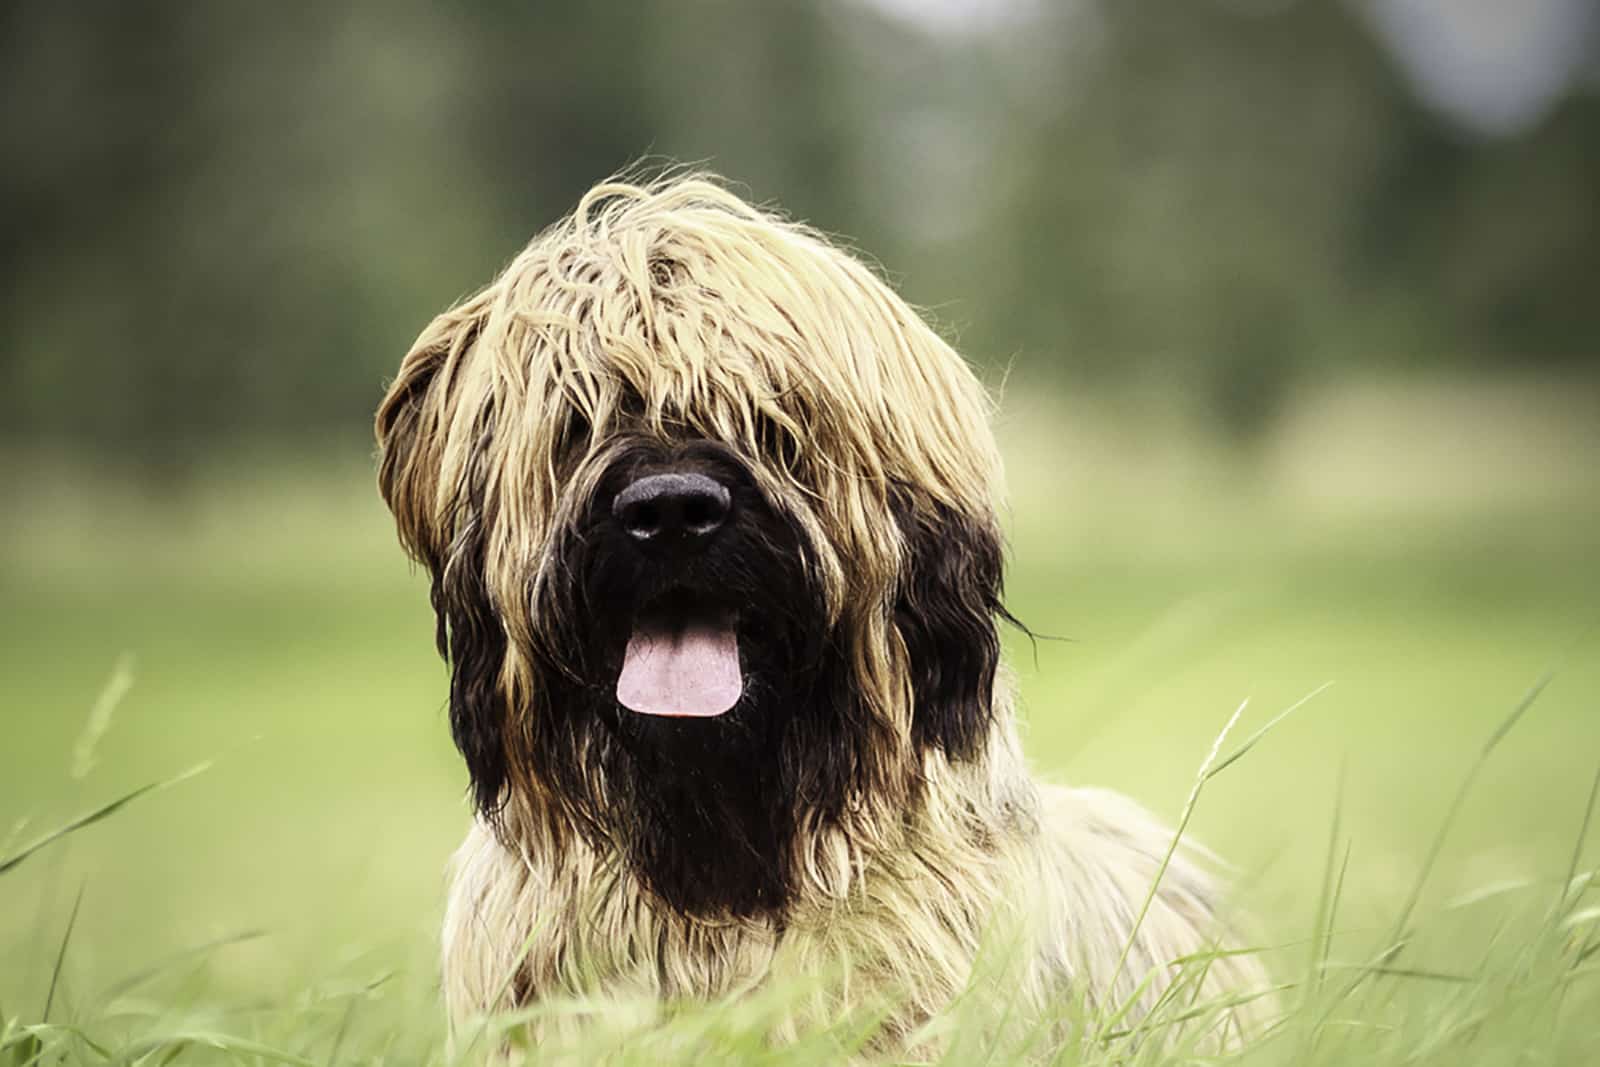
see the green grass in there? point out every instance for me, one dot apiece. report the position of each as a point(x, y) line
point(282, 905)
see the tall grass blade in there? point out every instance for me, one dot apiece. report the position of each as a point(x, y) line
point(1322, 918)
point(1209, 768)
point(1568, 886)
point(61, 957)
point(99, 721)
point(1272, 723)
point(1177, 836)
point(1436, 846)
point(105, 811)
point(1520, 710)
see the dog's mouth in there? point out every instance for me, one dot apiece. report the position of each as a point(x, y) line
point(682, 659)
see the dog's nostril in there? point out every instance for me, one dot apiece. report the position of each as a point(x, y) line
point(643, 521)
point(701, 513)
point(680, 510)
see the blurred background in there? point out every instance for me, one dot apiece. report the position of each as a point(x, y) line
point(1293, 310)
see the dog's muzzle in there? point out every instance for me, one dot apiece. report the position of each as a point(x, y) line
point(682, 658)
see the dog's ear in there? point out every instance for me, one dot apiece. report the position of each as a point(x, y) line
point(472, 639)
point(413, 425)
point(947, 610)
point(445, 531)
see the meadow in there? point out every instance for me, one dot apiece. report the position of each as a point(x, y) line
point(1430, 578)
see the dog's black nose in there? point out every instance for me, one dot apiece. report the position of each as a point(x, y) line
point(672, 511)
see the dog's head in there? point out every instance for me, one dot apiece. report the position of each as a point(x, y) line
point(709, 513)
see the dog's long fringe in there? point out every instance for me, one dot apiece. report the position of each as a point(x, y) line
point(676, 308)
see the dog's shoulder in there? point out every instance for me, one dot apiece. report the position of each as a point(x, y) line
point(1100, 855)
point(491, 906)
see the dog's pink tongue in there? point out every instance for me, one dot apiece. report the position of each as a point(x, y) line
point(689, 671)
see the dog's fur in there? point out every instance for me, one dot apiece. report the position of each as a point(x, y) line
point(864, 809)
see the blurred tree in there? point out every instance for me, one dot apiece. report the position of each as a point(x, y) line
point(1489, 251)
point(224, 222)
point(1179, 211)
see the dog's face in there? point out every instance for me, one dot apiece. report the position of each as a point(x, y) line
point(709, 516)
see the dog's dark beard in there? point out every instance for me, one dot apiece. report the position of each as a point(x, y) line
point(706, 812)
point(701, 810)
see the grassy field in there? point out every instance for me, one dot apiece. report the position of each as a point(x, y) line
point(282, 905)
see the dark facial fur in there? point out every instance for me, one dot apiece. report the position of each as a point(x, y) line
point(704, 812)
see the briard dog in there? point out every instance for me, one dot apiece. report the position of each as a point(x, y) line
point(711, 517)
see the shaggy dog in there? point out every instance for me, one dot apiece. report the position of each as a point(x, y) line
point(711, 521)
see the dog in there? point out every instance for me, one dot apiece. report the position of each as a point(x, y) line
point(711, 518)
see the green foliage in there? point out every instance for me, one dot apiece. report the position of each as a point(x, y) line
point(1531, 995)
point(226, 222)
point(1416, 842)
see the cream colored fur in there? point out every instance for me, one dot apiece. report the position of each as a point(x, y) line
point(994, 854)
point(679, 311)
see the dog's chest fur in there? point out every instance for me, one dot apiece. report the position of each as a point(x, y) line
point(1057, 893)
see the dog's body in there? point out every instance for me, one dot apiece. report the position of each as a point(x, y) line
point(711, 518)
point(1071, 870)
